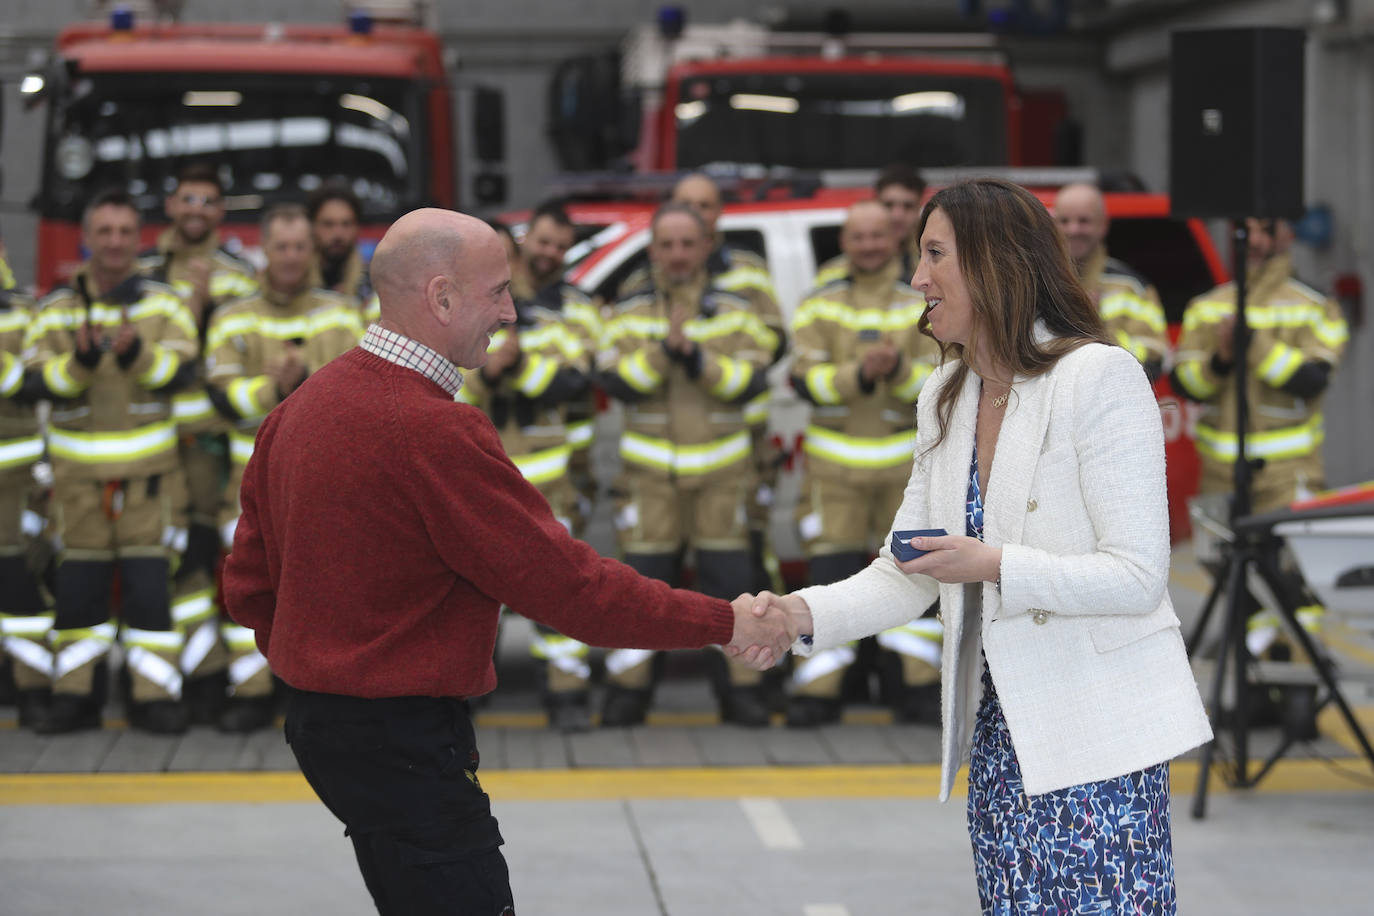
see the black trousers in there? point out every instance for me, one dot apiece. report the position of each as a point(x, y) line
point(401, 774)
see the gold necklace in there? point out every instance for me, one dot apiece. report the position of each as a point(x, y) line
point(1001, 399)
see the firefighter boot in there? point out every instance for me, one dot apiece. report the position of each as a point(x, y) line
point(566, 675)
point(152, 648)
point(250, 706)
point(910, 669)
point(817, 683)
point(203, 656)
point(629, 687)
point(745, 702)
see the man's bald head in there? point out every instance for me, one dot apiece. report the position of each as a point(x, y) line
point(701, 194)
point(443, 279)
point(1081, 214)
point(868, 238)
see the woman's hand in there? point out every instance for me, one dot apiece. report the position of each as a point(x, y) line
point(954, 558)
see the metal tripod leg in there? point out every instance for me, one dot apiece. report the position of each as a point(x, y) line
point(1195, 639)
point(1272, 577)
point(1232, 642)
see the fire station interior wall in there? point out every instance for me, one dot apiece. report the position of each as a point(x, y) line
point(1339, 147)
point(1115, 78)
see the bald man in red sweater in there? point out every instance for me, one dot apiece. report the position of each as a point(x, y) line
point(383, 526)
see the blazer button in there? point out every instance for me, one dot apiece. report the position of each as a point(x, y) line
point(1032, 505)
point(1039, 615)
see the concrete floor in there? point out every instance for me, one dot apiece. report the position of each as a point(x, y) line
point(683, 817)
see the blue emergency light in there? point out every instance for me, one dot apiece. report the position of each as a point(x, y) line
point(360, 22)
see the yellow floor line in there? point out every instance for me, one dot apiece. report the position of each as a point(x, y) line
point(1332, 725)
point(668, 719)
point(1289, 776)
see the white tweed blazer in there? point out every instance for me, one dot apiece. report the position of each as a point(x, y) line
point(1082, 640)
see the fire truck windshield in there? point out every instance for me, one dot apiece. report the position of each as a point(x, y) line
point(840, 120)
point(274, 137)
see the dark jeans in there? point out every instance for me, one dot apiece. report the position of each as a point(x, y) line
point(401, 773)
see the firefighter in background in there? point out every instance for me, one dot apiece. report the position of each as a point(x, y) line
point(900, 189)
point(1129, 305)
point(745, 274)
point(190, 257)
point(1296, 339)
point(25, 614)
point(685, 358)
point(534, 369)
point(110, 351)
point(537, 276)
point(335, 213)
point(258, 351)
point(861, 360)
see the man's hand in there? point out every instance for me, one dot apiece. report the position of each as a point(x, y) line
point(287, 370)
point(88, 344)
point(880, 361)
point(765, 606)
point(677, 340)
point(761, 639)
point(954, 558)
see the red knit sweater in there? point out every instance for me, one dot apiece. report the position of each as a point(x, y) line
point(382, 528)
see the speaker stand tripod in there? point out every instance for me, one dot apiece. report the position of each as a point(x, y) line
point(1253, 546)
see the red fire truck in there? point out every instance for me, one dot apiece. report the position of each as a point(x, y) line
point(701, 95)
point(280, 109)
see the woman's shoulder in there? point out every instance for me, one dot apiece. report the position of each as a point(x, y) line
point(1099, 363)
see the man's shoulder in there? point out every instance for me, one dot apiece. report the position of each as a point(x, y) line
point(321, 298)
point(1119, 273)
point(743, 257)
point(156, 292)
point(226, 260)
point(58, 297)
point(1299, 291)
point(250, 304)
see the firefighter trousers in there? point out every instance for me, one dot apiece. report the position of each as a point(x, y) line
point(129, 527)
point(25, 617)
point(657, 517)
point(838, 520)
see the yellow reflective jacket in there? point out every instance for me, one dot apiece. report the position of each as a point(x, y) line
point(112, 422)
point(230, 278)
point(20, 443)
point(528, 403)
point(1292, 327)
point(1129, 306)
point(857, 431)
point(684, 417)
point(247, 335)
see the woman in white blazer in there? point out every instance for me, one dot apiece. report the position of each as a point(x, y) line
point(1040, 450)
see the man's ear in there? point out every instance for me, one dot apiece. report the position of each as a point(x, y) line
point(441, 299)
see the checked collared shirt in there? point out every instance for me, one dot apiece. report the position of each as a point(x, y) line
point(412, 354)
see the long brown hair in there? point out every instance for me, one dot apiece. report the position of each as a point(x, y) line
point(1018, 272)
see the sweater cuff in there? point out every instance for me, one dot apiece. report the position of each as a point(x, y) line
point(722, 622)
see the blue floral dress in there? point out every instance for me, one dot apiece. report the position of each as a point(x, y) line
point(1100, 847)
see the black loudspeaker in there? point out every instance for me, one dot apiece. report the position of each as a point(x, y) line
point(1236, 113)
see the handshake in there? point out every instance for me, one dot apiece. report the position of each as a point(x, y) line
point(766, 625)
